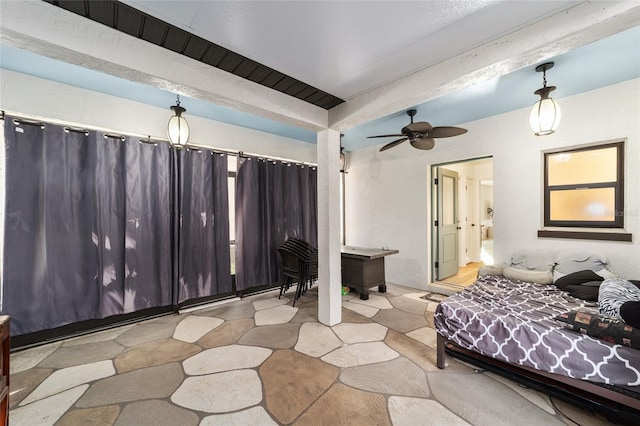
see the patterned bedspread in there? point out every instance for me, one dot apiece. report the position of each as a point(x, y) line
point(513, 321)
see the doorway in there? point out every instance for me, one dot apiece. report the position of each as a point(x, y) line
point(462, 218)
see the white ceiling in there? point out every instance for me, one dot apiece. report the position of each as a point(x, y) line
point(349, 47)
point(456, 61)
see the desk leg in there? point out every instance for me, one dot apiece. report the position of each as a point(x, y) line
point(364, 293)
point(382, 288)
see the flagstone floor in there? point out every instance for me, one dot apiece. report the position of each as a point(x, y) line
point(260, 361)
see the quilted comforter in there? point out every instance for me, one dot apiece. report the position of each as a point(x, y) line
point(513, 321)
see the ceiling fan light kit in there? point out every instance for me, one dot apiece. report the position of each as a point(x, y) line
point(421, 135)
point(545, 114)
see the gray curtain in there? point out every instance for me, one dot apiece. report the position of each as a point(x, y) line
point(204, 258)
point(274, 201)
point(87, 227)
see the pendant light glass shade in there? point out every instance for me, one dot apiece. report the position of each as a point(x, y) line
point(178, 129)
point(344, 160)
point(545, 117)
point(545, 114)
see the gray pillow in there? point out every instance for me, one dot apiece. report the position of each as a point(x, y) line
point(534, 260)
point(574, 261)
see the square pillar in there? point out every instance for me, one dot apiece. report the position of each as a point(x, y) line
point(329, 274)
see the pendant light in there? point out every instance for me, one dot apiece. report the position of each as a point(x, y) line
point(344, 159)
point(545, 114)
point(178, 129)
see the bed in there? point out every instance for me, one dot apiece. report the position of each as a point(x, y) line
point(514, 327)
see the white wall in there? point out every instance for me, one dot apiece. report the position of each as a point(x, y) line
point(51, 101)
point(388, 193)
point(486, 202)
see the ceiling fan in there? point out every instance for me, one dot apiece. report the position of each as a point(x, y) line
point(421, 135)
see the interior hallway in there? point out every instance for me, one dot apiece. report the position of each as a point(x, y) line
point(260, 361)
point(466, 275)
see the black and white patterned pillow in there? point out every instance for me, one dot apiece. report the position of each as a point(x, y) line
point(613, 293)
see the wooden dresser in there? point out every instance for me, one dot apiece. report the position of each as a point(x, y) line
point(5, 342)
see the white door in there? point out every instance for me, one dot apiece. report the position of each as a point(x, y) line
point(470, 222)
point(447, 223)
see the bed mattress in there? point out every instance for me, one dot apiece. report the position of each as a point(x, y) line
point(513, 321)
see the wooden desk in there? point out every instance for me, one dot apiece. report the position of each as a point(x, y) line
point(363, 268)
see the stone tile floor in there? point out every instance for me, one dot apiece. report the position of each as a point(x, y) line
point(260, 361)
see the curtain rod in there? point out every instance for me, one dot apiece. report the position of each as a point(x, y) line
point(147, 138)
point(75, 127)
point(250, 154)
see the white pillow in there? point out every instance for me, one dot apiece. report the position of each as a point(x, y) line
point(491, 270)
point(538, 277)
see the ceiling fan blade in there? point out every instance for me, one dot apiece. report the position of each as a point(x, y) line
point(384, 136)
point(423, 143)
point(392, 144)
point(446, 132)
point(419, 127)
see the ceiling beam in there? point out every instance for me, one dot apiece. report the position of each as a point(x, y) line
point(53, 32)
point(558, 34)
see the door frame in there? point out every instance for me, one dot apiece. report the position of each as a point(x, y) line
point(434, 209)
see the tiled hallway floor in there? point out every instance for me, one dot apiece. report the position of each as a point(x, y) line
point(260, 361)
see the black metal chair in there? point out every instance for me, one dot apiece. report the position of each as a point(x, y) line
point(290, 270)
point(299, 264)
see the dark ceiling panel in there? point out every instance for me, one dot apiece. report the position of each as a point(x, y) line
point(103, 12)
point(284, 84)
point(129, 20)
point(272, 78)
point(297, 87)
point(138, 24)
point(246, 68)
point(325, 100)
point(214, 55)
point(196, 47)
point(176, 39)
point(230, 62)
point(154, 30)
point(316, 97)
point(72, 6)
point(334, 103)
point(259, 74)
point(306, 92)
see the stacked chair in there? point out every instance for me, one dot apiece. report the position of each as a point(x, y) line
point(299, 265)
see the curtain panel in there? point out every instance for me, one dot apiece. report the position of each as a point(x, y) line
point(203, 256)
point(275, 200)
point(87, 226)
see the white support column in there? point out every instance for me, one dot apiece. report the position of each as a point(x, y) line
point(329, 274)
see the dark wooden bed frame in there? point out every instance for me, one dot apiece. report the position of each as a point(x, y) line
point(618, 406)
